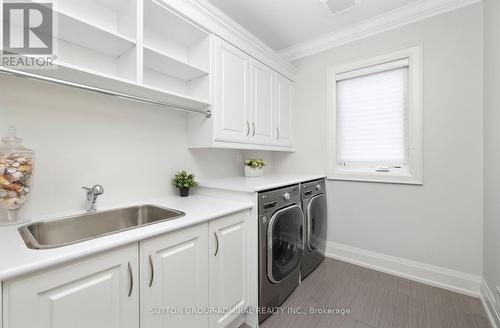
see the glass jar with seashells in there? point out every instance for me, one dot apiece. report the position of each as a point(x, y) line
point(16, 172)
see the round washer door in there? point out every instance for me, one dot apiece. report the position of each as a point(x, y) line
point(316, 223)
point(284, 242)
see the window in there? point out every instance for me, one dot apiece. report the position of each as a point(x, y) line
point(375, 120)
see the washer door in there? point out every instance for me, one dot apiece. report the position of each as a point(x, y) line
point(316, 223)
point(284, 242)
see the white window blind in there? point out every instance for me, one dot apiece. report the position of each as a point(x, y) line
point(372, 116)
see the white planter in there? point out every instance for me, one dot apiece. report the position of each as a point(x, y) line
point(251, 172)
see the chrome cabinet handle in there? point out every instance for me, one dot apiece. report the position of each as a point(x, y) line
point(248, 128)
point(152, 270)
point(277, 133)
point(131, 278)
point(217, 243)
point(253, 126)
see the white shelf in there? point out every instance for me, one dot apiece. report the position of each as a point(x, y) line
point(116, 16)
point(81, 75)
point(162, 20)
point(78, 32)
point(100, 45)
point(158, 61)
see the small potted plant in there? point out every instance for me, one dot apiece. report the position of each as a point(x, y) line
point(254, 167)
point(183, 181)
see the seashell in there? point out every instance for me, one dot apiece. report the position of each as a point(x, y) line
point(17, 175)
point(11, 194)
point(2, 168)
point(17, 187)
point(21, 159)
point(11, 187)
point(11, 169)
point(24, 168)
point(3, 180)
point(26, 189)
point(15, 164)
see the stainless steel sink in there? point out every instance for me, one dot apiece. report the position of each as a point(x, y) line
point(69, 230)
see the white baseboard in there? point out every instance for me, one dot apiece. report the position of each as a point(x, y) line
point(490, 304)
point(456, 281)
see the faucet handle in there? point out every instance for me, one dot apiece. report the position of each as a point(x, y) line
point(97, 190)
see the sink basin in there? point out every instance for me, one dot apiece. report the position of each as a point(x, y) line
point(69, 230)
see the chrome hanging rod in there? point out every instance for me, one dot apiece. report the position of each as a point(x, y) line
point(8, 71)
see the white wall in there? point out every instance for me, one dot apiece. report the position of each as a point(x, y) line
point(82, 138)
point(439, 223)
point(491, 146)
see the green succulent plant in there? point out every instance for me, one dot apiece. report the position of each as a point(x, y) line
point(182, 179)
point(256, 163)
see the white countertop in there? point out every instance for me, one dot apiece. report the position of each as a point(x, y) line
point(16, 259)
point(264, 182)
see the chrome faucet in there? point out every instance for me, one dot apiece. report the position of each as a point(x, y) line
point(92, 194)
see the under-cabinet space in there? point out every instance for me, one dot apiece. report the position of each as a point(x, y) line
point(115, 16)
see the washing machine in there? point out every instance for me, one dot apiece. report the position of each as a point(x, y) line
point(281, 224)
point(314, 205)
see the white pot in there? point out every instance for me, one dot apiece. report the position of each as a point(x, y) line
point(251, 172)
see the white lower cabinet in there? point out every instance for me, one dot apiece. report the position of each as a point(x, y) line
point(98, 292)
point(183, 274)
point(174, 279)
point(228, 269)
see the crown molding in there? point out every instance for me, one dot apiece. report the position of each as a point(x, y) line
point(215, 21)
point(411, 13)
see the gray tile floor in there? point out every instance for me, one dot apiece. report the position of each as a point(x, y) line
point(376, 300)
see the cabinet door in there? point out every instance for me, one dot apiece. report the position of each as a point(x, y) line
point(174, 276)
point(284, 107)
point(98, 292)
point(262, 104)
point(232, 99)
point(228, 269)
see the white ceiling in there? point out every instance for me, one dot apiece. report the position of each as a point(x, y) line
point(284, 23)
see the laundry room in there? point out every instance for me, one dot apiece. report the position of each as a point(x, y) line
point(249, 163)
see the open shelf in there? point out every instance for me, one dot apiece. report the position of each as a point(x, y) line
point(176, 53)
point(173, 36)
point(115, 16)
point(81, 75)
point(98, 45)
point(155, 60)
point(83, 34)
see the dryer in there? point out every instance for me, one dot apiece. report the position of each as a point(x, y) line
point(281, 222)
point(314, 205)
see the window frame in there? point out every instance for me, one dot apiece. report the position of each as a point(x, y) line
point(413, 174)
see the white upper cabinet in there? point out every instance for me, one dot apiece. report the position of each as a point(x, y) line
point(98, 292)
point(284, 111)
point(252, 107)
point(231, 110)
point(262, 91)
point(174, 274)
